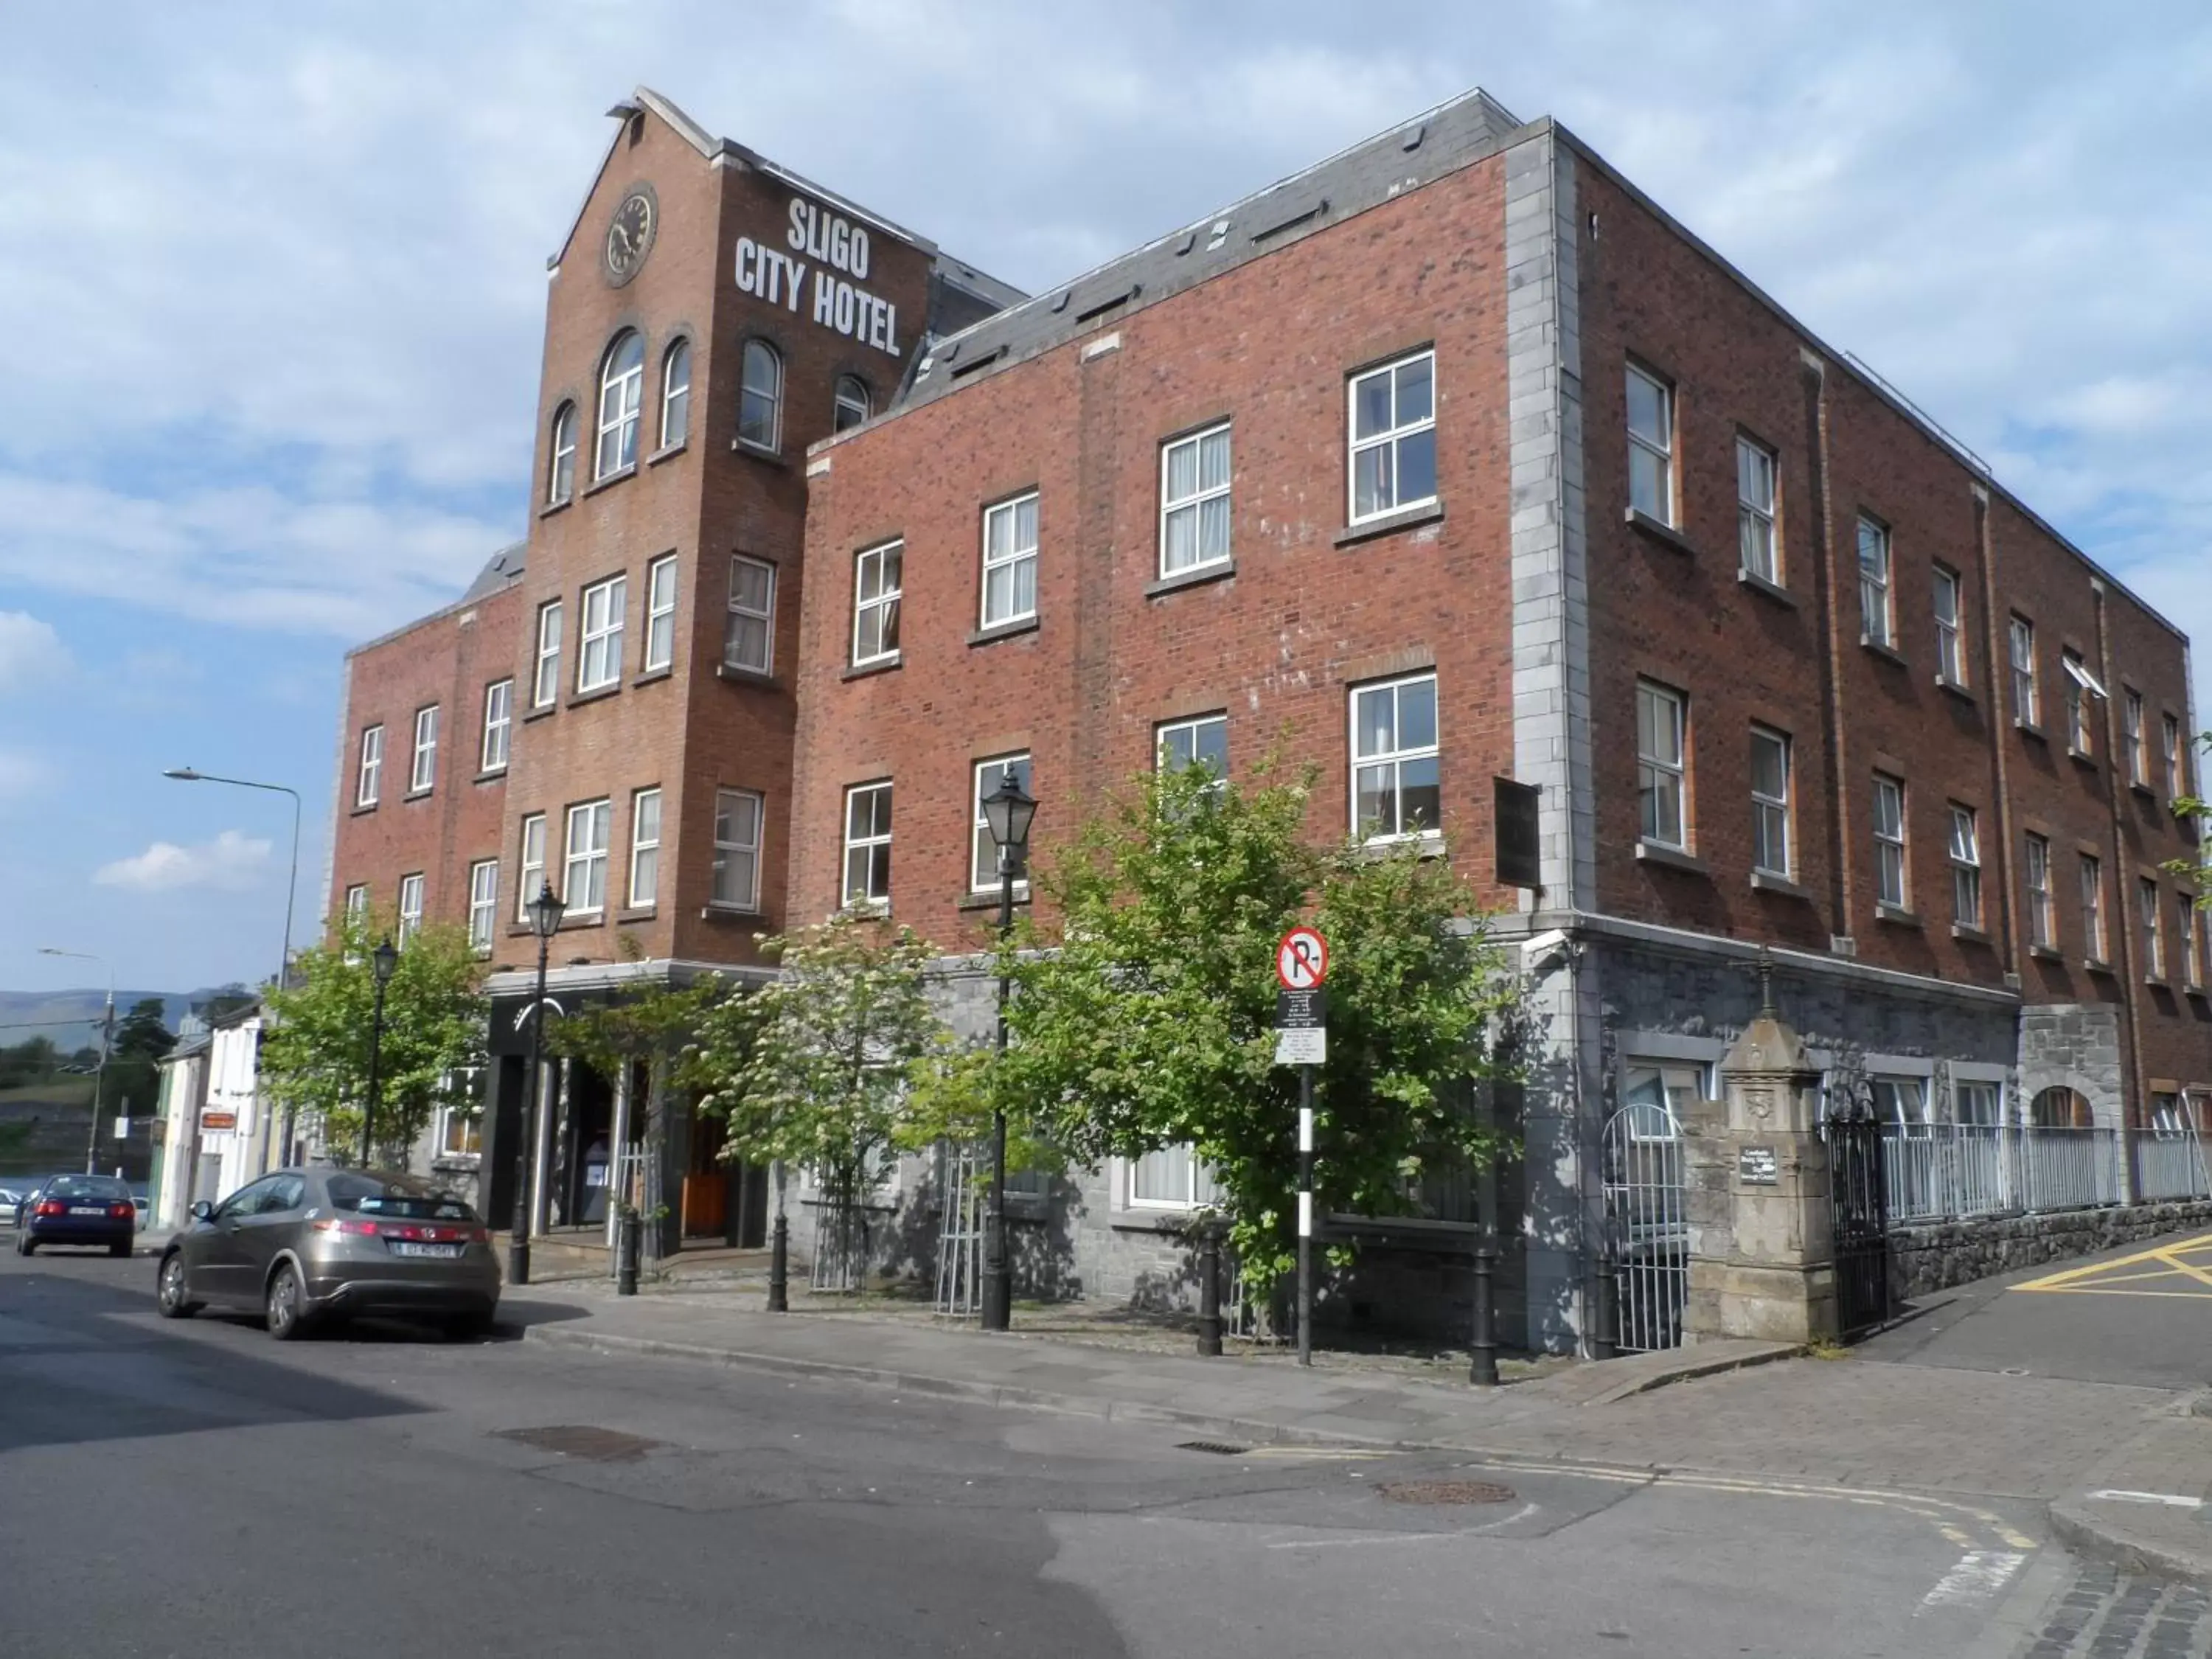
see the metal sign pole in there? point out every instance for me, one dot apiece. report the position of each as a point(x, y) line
point(1305, 1215)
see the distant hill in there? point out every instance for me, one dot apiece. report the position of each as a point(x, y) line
point(71, 1019)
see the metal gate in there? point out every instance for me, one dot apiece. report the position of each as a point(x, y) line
point(963, 1186)
point(1858, 1191)
point(1647, 1234)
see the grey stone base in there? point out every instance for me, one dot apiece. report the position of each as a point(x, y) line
point(1935, 1257)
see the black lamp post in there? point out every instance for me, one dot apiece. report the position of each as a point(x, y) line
point(1007, 810)
point(382, 960)
point(545, 918)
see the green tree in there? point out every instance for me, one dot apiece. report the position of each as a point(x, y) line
point(1145, 1019)
point(314, 1058)
point(140, 1043)
point(2196, 810)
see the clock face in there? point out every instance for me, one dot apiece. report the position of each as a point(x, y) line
point(629, 235)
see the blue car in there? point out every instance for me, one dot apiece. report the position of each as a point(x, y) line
point(77, 1209)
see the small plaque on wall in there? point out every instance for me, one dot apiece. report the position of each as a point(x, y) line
point(1756, 1166)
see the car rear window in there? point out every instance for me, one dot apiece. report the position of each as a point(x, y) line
point(368, 1195)
point(99, 1187)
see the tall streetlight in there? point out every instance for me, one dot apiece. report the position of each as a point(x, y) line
point(1007, 810)
point(381, 961)
point(546, 911)
point(107, 1036)
point(189, 775)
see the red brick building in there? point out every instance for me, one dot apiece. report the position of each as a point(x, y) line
point(1452, 459)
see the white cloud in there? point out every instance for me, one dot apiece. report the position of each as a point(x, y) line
point(30, 650)
point(231, 861)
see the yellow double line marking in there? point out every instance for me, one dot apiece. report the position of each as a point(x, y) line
point(2100, 1277)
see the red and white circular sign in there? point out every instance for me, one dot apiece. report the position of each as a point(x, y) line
point(1302, 960)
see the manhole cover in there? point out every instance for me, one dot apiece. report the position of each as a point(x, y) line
point(581, 1440)
point(1218, 1448)
point(1445, 1491)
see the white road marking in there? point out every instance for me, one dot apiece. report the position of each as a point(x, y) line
point(1976, 1580)
point(1521, 1514)
point(2179, 1502)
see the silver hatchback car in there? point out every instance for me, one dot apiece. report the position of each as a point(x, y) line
point(305, 1246)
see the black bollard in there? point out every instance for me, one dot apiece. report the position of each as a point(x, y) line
point(779, 1257)
point(1209, 1293)
point(626, 1248)
point(1603, 1314)
point(1482, 1347)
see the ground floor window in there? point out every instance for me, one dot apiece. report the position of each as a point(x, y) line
point(1172, 1178)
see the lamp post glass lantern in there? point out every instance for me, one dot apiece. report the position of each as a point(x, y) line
point(1007, 811)
point(545, 912)
point(381, 961)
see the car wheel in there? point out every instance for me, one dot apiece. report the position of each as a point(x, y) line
point(288, 1314)
point(176, 1301)
point(24, 1246)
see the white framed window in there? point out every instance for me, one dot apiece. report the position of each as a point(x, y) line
point(2026, 701)
point(411, 908)
point(1651, 445)
point(2076, 685)
point(460, 1131)
point(1900, 1100)
point(2167, 1121)
point(1657, 1094)
point(2042, 922)
point(422, 770)
point(1392, 414)
point(2154, 929)
point(484, 902)
point(357, 901)
point(1890, 884)
point(2093, 907)
point(1662, 726)
point(1195, 501)
point(1200, 742)
point(1950, 610)
point(622, 391)
point(545, 682)
point(1770, 801)
point(749, 633)
point(760, 396)
point(644, 849)
point(854, 404)
point(1171, 1178)
point(530, 864)
point(1757, 537)
point(1396, 786)
point(561, 469)
point(371, 782)
point(868, 845)
point(737, 849)
point(1009, 560)
point(2169, 743)
point(498, 726)
point(1976, 1104)
point(2184, 941)
point(877, 573)
point(599, 634)
point(983, 851)
point(675, 395)
point(1966, 867)
point(1877, 613)
point(2131, 732)
point(584, 857)
point(659, 614)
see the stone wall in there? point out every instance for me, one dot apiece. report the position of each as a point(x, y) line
point(2073, 1045)
point(1924, 1260)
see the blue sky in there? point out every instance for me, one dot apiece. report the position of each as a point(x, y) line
point(275, 282)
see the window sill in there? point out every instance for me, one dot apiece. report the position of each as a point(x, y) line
point(1198, 576)
point(2029, 729)
point(359, 810)
point(1388, 524)
point(1657, 530)
point(597, 694)
point(736, 676)
point(2145, 790)
point(1967, 935)
point(1004, 630)
point(1765, 881)
point(541, 712)
point(668, 453)
point(2081, 757)
point(576, 922)
point(867, 909)
point(990, 901)
point(1671, 858)
point(1888, 653)
point(639, 913)
point(1898, 915)
point(860, 671)
point(1164, 1221)
point(652, 675)
point(2157, 982)
point(730, 913)
point(1955, 690)
point(1766, 589)
point(2098, 965)
point(2046, 953)
point(1429, 845)
point(611, 480)
point(2199, 992)
point(754, 452)
point(491, 774)
point(416, 794)
point(560, 506)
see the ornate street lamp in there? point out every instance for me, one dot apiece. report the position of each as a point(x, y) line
point(545, 912)
point(1007, 810)
point(382, 960)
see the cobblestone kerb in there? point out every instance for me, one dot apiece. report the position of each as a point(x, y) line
point(1937, 1255)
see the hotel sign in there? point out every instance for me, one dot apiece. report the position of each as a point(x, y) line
point(818, 273)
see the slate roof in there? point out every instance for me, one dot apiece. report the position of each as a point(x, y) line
point(502, 569)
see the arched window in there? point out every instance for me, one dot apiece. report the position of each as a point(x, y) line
point(560, 472)
point(622, 388)
point(2060, 1108)
point(854, 404)
point(676, 394)
point(760, 399)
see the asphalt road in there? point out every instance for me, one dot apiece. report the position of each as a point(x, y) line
point(194, 1488)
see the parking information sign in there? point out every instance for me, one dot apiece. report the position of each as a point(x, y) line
point(1302, 960)
point(1301, 1027)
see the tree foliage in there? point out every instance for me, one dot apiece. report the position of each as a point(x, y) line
point(1145, 1019)
point(2196, 810)
point(315, 1057)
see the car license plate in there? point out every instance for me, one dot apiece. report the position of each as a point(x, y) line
point(436, 1252)
point(87, 1209)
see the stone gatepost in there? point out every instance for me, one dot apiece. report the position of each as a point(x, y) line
point(1761, 1246)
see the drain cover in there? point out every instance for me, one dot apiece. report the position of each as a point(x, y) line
point(1218, 1448)
point(1445, 1491)
point(582, 1441)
